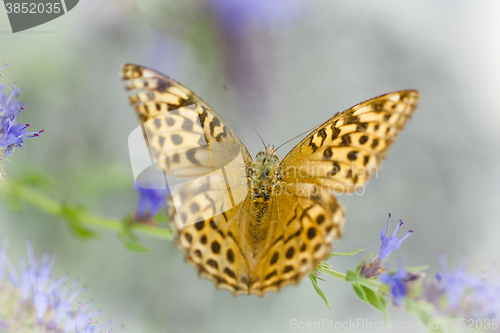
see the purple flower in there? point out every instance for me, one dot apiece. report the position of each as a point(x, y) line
point(466, 296)
point(92, 328)
point(243, 25)
point(397, 284)
point(375, 266)
point(484, 299)
point(454, 283)
point(391, 243)
point(12, 135)
point(38, 301)
point(150, 201)
point(235, 16)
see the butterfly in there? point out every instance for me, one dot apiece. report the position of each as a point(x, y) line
point(254, 226)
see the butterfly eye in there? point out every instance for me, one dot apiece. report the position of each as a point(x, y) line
point(260, 153)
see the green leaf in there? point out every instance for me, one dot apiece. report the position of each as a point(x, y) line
point(359, 291)
point(72, 216)
point(367, 295)
point(376, 300)
point(131, 241)
point(344, 254)
point(320, 292)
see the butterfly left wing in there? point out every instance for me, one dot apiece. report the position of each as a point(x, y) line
point(208, 212)
point(346, 150)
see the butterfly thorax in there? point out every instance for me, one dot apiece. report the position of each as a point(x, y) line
point(265, 171)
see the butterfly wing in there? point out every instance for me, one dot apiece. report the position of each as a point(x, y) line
point(339, 155)
point(304, 222)
point(208, 211)
point(346, 150)
point(176, 120)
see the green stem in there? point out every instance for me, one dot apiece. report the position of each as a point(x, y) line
point(42, 201)
point(334, 274)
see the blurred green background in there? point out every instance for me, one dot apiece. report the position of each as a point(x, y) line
point(290, 65)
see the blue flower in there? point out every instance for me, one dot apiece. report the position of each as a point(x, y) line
point(391, 243)
point(466, 296)
point(38, 302)
point(375, 266)
point(397, 283)
point(12, 135)
point(455, 283)
point(150, 201)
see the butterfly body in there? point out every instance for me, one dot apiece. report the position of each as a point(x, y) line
point(263, 186)
point(256, 226)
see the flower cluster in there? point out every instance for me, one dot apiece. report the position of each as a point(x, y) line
point(32, 301)
point(451, 294)
point(457, 294)
point(12, 135)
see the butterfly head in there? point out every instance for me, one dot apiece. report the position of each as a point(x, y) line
point(267, 157)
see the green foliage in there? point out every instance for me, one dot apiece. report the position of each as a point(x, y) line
point(130, 240)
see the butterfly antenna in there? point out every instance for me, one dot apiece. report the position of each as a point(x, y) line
point(295, 137)
point(227, 90)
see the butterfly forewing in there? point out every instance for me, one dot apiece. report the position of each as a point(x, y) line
point(347, 149)
point(156, 94)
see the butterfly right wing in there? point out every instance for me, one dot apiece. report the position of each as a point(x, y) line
point(339, 155)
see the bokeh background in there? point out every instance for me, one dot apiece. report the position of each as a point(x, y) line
point(290, 65)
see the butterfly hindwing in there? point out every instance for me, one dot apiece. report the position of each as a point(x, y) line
point(306, 222)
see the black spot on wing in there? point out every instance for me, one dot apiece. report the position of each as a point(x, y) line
point(346, 140)
point(157, 122)
point(162, 85)
point(190, 155)
point(202, 116)
point(187, 125)
point(328, 153)
point(170, 121)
